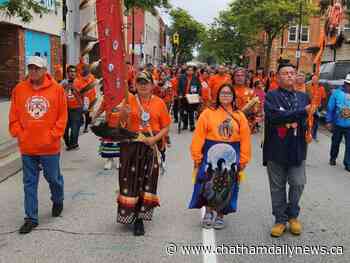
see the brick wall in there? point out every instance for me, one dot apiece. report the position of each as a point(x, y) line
point(56, 56)
point(10, 58)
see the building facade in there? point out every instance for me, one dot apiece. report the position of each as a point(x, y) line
point(18, 41)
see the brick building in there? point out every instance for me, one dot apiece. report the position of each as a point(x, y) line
point(285, 46)
point(18, 41)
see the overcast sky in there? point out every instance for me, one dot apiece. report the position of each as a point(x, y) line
point(202, 10)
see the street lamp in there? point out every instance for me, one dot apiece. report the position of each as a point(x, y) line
point(298, 52)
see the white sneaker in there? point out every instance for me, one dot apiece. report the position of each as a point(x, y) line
point(108, 164)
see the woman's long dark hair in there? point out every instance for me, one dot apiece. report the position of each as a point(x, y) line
point(218, 103)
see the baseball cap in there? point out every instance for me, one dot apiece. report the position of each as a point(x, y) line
point(347, 79)
point(37, 61)
point(144, 76)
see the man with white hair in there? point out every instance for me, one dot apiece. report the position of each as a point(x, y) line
point(338, 121)
point(38, 117)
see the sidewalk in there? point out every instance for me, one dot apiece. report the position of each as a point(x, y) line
point(4, 110)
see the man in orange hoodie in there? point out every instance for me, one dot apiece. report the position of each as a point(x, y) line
point(37, 118)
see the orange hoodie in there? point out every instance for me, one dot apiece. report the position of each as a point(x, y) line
point(208, 127)
point(38, 117)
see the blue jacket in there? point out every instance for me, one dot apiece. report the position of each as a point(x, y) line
point(285, 146)
point(337, 102)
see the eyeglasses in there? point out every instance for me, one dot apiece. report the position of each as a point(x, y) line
point(226, 94)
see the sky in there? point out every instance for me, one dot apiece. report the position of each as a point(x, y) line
point(203, 11)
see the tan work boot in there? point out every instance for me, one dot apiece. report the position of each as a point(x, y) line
point(295, 226)
point(278, 230)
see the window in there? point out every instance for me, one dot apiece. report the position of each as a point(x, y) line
point(304, 34)
point(293, 34)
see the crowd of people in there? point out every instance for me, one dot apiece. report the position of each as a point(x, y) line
point(221, 105)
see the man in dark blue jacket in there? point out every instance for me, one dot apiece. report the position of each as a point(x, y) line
point(285, 149)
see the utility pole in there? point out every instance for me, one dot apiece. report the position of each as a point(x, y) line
point(298, 53)
point(64, 30)
point(133, 37)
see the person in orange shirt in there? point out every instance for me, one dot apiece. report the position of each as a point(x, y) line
point(75, 102)
point(272, 82)
point(37, 118)
point(318, 99)
point(205, 91)
point(244, 95)
point(86, 84)
point(300, 82)
point(220, 149)
point(175, 86)
point(216, 81)
point(139, 170)
point(164, 89)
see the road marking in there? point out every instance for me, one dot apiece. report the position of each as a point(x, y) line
point(208, 236)
point(9, 159)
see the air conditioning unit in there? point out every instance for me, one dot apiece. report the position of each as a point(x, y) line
point(346, 33)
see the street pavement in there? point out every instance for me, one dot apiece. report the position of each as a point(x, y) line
point(87, 231)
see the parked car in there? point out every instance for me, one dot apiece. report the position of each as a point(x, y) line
point(332, 76)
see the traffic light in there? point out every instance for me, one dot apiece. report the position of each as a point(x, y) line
point(176, 39)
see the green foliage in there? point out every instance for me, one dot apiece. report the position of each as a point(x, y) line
point(23, 9)
point(224, 43)
point(191, 33)
point(146, 4)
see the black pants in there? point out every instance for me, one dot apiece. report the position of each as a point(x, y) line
point(71, 134)
point(337, 136)
point(176, 109)
point(87, 119)
point(187, 114)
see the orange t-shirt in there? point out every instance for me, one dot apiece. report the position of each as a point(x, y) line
point(205, 91)
point(80, 83)
point(159, 116)
point(38, 117)
point(215, 82)
point(273, 84)
point(317, 94)
point(208, 128)
point(243, 95)
point(174, 84)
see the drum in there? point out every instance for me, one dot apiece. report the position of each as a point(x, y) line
point(192, 98)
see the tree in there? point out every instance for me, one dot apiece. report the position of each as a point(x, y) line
point(224, 42)
point(23, 9)
point(269, 16)
point(146, 4)
point(26, 8)
point(191, 33)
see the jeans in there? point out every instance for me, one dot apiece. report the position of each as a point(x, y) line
point(315, 126)
point(52, 174)
point(176, 109)
point(71, 134)
point(283, 207)
point(338, 133)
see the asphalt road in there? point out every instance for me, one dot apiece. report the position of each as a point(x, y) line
point(87, 231)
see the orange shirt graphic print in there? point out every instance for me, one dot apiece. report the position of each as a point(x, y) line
point(37, 106)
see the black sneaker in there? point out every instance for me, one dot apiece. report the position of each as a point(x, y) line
point(75, 148)
point(139, 229)
point(347, 168)
point(27, 227)
point(332, 162)
point(192, 128)
point(57, 210)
